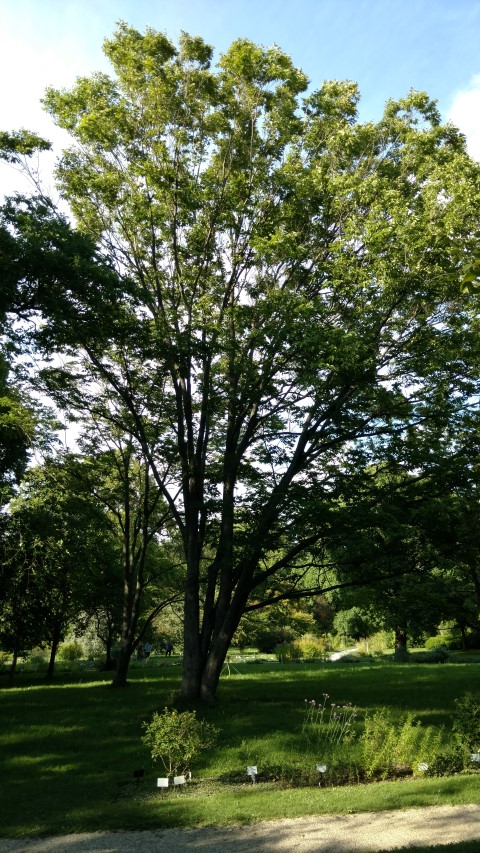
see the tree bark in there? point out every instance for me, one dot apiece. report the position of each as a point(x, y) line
point(13, 666)
point(121, 672)
point(53, 654)
point(401, 652)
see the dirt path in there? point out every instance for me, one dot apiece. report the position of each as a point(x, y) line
point(322, 834)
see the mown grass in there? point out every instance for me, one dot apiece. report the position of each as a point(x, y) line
point(68, 750)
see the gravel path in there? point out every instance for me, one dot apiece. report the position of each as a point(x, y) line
point(322, 834)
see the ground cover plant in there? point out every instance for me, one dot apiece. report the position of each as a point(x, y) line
point(69, 749)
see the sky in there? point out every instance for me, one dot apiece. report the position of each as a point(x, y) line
point(387, 46)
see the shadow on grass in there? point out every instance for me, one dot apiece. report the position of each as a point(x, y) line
point(68, 749)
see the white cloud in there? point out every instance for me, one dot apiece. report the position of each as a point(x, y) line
point(465, 114)
point(41, 45)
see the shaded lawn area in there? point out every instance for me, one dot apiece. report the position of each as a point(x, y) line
point(68, 750)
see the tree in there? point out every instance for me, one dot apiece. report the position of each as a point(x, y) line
point(56, 539)
point(356, 623)
point(23, 602)
point(291, 305)
point(121, 481)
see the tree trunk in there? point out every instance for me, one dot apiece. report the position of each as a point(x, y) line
point(109, 662)
point(13, 666)
point(401, 653)
point(53, 654)
point(123, 662)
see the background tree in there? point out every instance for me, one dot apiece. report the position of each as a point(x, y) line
point(291, 305)
point(62, 539)
point(121, 482)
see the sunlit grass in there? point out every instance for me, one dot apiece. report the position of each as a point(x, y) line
point(68, 750)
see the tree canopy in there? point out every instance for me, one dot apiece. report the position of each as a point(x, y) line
point(280, 307)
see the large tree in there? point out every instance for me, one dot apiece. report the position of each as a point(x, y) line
point(291, 305)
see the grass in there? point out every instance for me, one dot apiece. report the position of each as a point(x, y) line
point(68, 750)
point(462, 847)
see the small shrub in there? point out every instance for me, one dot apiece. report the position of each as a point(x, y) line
point(311, 647)
point(438, 655)
point(307, 647)
point(381, 642)
point(288, 652)
point(71, 651)
point(447, 763)
point(466, 721)
point(389, 747)
point(37, 661)
point(176, 737)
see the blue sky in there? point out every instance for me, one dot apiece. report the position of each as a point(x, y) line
point(387, 46)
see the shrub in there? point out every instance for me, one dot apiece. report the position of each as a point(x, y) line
point(287, 652)
point(438, 655)
point(307, 647)
point(175, 738)
point(70, 651)
point(447, 763)
point(311, 647)
point(388, 747)
point(466, 721)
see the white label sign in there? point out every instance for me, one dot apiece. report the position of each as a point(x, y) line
point(179, 780)
point(162, 782)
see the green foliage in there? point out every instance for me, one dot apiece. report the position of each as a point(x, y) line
point(307, 647)
point(275, 626)
point(85, 738)
point(20, 143)
point(355, 623)
point(466, 721)
point(176, 737)
point(72, 651)
point(288, 652)
point(328, 727)
point(389, 745)
point(437, 642)
point(450, 760)
point(258, 281)
point(438, 655)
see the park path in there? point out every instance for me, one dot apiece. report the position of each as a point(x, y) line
point(359, 833)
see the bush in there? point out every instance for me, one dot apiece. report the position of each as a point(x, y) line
point(37, 661)
point(466, 721)
point(70, 651)
point(307, 647)
point(438, 655)
point(175, 738)
point(311, 647)
point(388, 747)
point(447, 763)
point(288, 652)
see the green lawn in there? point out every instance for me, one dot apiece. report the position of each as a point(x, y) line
point(68, 750)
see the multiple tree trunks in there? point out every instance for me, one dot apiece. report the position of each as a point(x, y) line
point(265, 325)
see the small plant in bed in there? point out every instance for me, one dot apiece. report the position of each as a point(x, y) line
point(175, 738)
